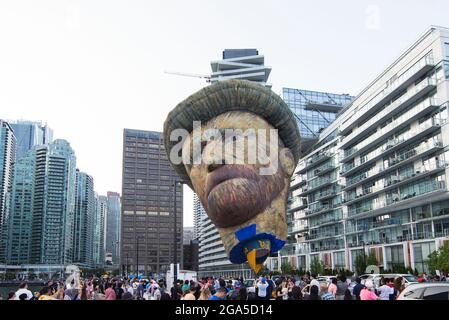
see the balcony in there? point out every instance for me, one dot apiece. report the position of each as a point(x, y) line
point(328, 193)
point(316, 184)
point(405, 100)
point(320, 182)
point(416, 71)
point(297, 204)
point(324, 235)
point(327, 248)
point(370, 226)
point(298, 180)
point(301, 168)
point(408, 117)
point(399, 201)
point(301, 248)
point(320, 210)
point(323, 169)
point(324, 222)
point(317, 159)
point(299, 229)
point(411, 155)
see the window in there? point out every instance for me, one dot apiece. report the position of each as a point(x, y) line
point(421, 255)
point(414, 294)
point(436, 293)
point(446, 50)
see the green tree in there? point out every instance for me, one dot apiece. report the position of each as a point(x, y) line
point(371, 260)
point(360, 264)
point(286, 268)
point(439, 260)
point(316, 266)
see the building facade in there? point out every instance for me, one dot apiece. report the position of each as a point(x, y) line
point(101, 210)
point(19, 226)
point(187, 235)
point(376, 181)
point(7, 160)
point(198, 212)
point(190, 255)
point(244, 64)
point(314, 111)
point(53, 214)
point(150, 196)
point(29, 134)
point(113, 229)
point(84, 220)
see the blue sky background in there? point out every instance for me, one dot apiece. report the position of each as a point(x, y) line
point(91, 68)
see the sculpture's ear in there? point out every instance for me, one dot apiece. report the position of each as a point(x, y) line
point(287, 161)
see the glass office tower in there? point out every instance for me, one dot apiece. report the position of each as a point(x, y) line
point(29, 134)
point(113, 229)
point(84, 223)
point(101, 210)
point(314, 111)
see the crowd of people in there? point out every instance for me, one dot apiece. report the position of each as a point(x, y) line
point(306, 287)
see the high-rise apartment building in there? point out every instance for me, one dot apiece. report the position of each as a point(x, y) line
point(19, 225)
point(113, 229)
point(148, 207)
point(84, 220)
point(29, 134)
point(198, 212)
point(101, 210)
point(376, 181)
point(53, 204)
point(7, 160)
point(244, 64)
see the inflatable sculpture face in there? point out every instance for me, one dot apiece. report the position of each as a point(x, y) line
point(238, 155)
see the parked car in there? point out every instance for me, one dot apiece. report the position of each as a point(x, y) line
point(408, 278)
point(325, 279)
point(250, 285)
point(425, 291)
point(374, 277)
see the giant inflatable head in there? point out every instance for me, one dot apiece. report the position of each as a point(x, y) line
point(236, 144)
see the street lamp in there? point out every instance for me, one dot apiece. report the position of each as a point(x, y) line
point(127, 263)
point(175, 238)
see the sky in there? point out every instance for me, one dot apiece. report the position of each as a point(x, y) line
point(91, 68)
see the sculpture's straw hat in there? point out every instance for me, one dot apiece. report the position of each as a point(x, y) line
point(232, 95)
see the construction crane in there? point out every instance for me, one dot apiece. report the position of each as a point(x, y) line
point(195, 75)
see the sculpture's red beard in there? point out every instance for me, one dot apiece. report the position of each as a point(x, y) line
point(235, 193)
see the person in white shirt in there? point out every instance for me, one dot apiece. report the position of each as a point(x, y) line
point(314, 281)
point(385, 290)
point(23, 288)
point(262, 286)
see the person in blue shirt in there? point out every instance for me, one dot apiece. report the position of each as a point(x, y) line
point(358, 288)
point(220, 294)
